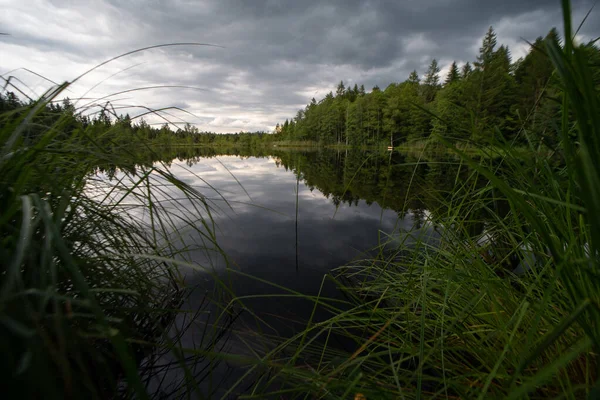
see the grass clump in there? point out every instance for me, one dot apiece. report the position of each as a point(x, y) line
point(503, 304)
point(88, 288)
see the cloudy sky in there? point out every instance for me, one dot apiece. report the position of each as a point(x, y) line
point(274, 55)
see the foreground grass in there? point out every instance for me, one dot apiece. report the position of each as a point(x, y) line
point(512, 312)
point(88, 287)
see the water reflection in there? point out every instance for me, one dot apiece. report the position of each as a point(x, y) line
point(286, 218)
point(256, 222)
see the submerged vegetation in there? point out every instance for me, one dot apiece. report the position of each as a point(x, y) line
point(505, 302)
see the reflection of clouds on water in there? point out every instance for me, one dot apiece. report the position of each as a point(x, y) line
point(254, 211)
point(233, 167)
point(253, 205)
point(258, 233)
point(203, 167)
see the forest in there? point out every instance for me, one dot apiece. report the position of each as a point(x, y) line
point(117, 131)
point(487, 101)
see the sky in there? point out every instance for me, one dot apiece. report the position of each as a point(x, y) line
point(263, 59)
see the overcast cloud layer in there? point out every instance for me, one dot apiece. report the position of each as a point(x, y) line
point(275, 55)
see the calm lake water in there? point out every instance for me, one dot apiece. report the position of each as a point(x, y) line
point(284, 219)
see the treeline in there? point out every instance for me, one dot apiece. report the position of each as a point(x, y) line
point(112, 131)
point(490, 99)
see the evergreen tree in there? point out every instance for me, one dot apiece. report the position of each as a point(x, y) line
point(453, 74)
point(414, 77)
point(454, 119)
point(374, 119)
point(341, 89)
point(9, 101)
point(486, 51)
point(466, 71)
point(495, 92)
point(299, 131)
point(532, 77)
point(431, 82)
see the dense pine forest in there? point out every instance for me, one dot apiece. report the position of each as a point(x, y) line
point(486, 101)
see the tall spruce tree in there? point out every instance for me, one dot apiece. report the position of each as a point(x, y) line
point(495, 94)
point(341, 89)
point(453, 74)
point(486, 51)
point(414, 77)
point(466, 70)
point(431, 82)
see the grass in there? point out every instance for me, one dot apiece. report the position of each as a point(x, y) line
point(510, 313)
point(91, 299)
point(90, 296)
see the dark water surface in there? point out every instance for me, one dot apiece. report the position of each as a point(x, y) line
point(287, 219)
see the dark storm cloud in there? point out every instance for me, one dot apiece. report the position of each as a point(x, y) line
point(277, 54)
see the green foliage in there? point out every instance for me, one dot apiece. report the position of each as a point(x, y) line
point(466, 70)
point(453, 74)
point(87, 290)
point(487, 50)
point(486, 105)
point(502, 301)
point(431, 82)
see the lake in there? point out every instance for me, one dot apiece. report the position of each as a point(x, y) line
point(283, 219)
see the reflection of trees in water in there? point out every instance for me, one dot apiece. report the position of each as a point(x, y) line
point(168, 154)
point(390, 179)
point(400, 182)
